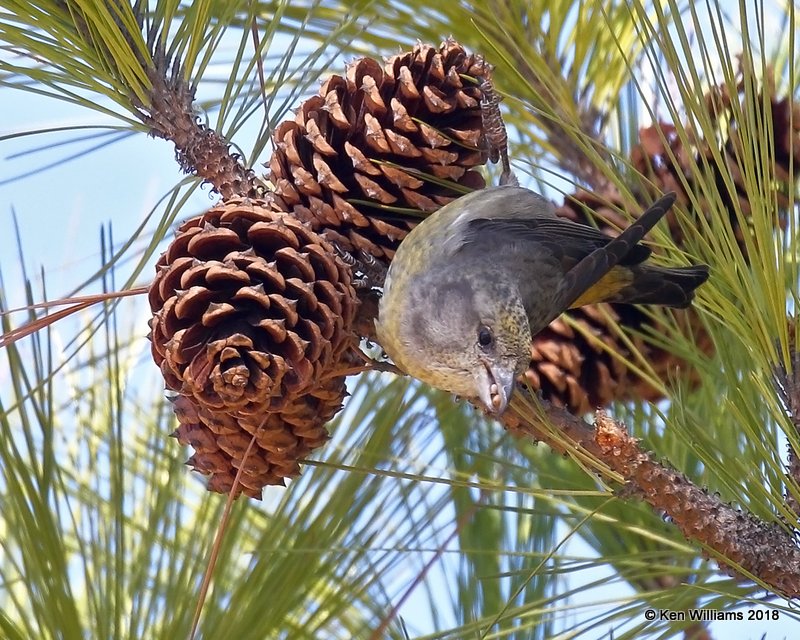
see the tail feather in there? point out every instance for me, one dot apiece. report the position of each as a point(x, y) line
point(669, 287)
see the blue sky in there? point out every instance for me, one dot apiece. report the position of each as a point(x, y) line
point(60, 210)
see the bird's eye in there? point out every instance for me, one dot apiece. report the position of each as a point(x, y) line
point(485, 337)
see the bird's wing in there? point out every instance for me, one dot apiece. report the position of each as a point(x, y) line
point(568, 242)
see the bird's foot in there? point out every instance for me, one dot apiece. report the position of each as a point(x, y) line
point(371, 364)
point(368, 271)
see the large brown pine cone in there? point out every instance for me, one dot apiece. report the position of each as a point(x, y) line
point(252, 314)
point(368, 155)
point(250, 307)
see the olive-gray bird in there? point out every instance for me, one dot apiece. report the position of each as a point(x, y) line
point(472, 283)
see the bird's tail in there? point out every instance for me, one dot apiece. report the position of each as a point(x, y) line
point(669, 287)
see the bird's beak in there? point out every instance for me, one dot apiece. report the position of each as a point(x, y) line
point(495, 385)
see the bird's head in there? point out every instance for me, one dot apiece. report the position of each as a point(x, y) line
point(465, 335)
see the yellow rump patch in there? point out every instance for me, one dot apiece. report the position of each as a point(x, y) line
point(607, 287)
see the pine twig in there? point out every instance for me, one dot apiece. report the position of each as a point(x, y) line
point(199, 150)
point(744, 546)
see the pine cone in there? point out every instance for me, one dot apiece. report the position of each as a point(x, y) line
point(250, 308)
point(366, 156)
point(582, 373)
point(221, 440)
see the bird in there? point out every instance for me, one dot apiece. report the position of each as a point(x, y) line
point(470, 285)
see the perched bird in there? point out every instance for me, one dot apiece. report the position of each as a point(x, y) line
point(472, 283)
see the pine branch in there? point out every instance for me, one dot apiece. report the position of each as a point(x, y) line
point(744, 546)
point(169, 113)
point(121, 50)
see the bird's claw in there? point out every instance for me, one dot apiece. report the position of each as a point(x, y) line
point(368, 271)
point(347, 257)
